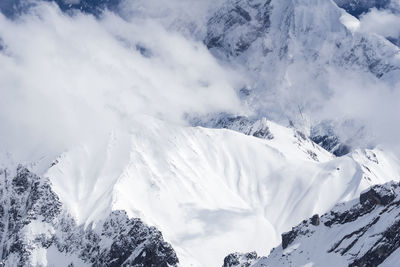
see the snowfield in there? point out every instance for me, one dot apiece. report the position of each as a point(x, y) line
point(212, 191)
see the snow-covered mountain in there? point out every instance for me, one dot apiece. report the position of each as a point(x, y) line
point(199, 128)
point(299, 56)
point(362, 232)
point(204, 187)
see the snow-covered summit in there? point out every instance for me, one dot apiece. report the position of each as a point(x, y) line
point(203, 187)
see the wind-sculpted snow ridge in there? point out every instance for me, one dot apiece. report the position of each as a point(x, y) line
point(35, 231)
point(322, 134)
point(254, 127)
point(363, 232)
point(203, 187)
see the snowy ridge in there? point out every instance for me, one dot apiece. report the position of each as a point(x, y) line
point(215, 182)
point(257, 128)
point(362, 232)
point(213, 185)
point(35, 231)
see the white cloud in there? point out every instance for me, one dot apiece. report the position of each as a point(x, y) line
point(364, 103)
point(382, 22)
point(188, 17)
point(64, 78)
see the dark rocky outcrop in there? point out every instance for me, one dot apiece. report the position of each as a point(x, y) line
point(299, 230)
point(382, 249)
point(358, 7)
point(363, 232)
point(378, 195)
point(332, 144)
point(240, 260)
point(118, 240)
point(224, 27)
point(24, 197)
point(254, 127)
point(315, 220)
point(13, 8)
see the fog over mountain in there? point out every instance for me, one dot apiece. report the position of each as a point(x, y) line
point(198, 129)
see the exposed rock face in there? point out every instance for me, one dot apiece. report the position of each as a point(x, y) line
point(277, 30)
point(237, 25)
point(95, 7)
point(33, 226)
point(130, 242)
point(363, 232)
point(377, 195)
point(380, 206)
point(11, 8)
point(254, 127)
point(358, 7)
point(25, 198)
point(272, 41)
point(300, 230)
point(315, 220)
point(332, 144)
point(324, 135)
point(242, 260)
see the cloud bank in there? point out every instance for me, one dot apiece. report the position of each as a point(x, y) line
point(383, 22)
point(68, 77)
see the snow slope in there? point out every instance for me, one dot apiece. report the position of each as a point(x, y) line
point(362, 232)
point(211, 191)
point(35, 230)
point(215, 191)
